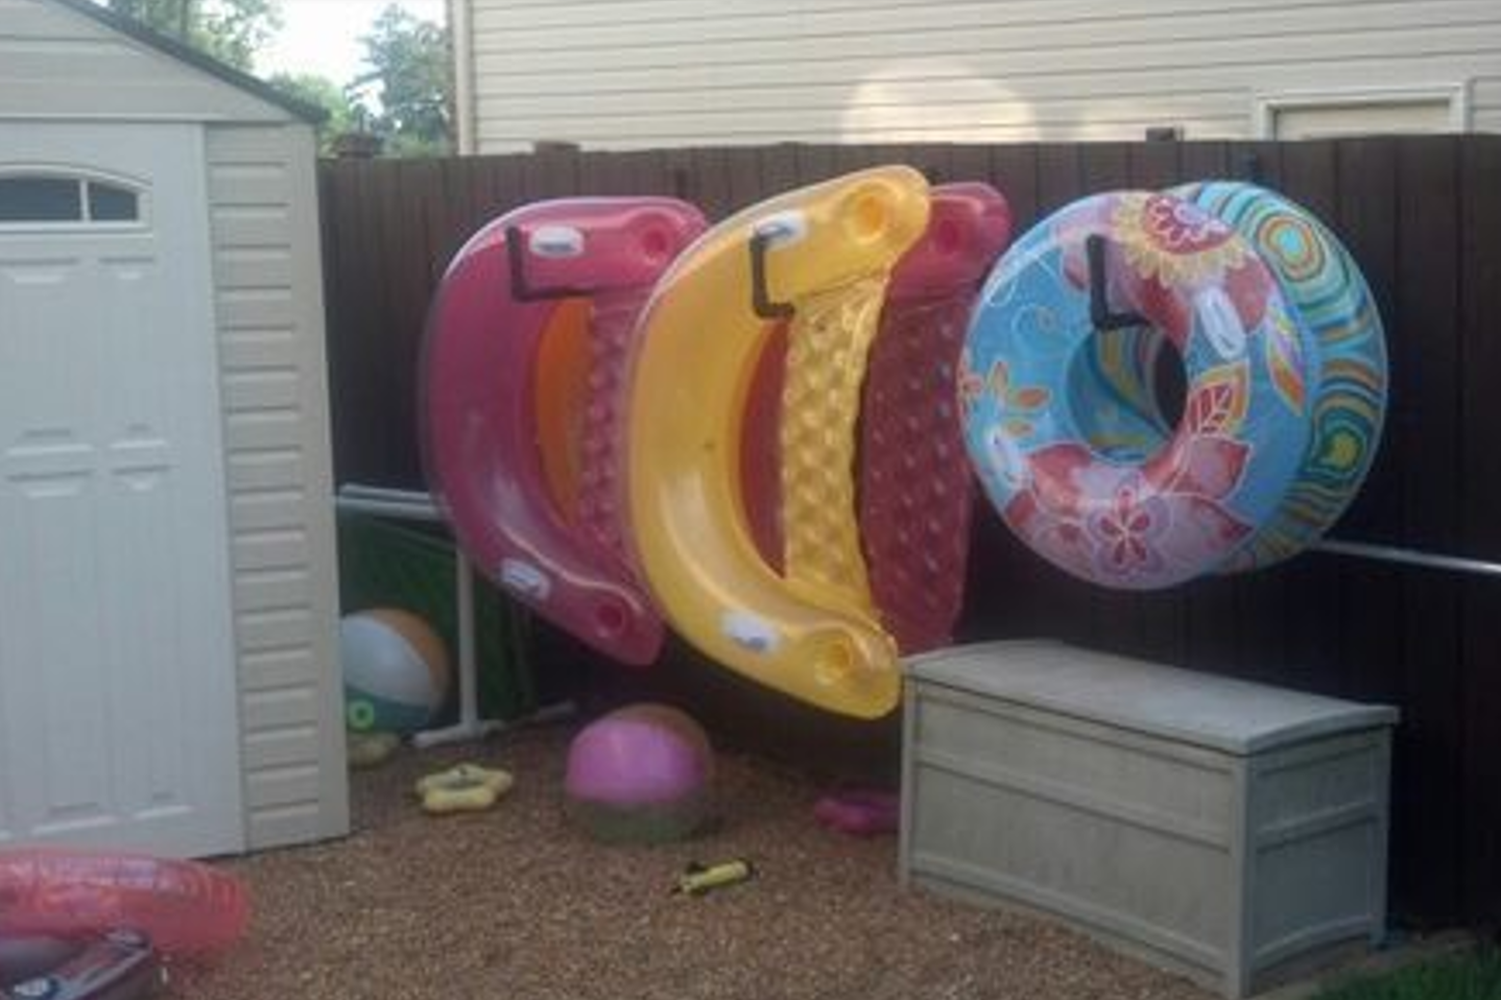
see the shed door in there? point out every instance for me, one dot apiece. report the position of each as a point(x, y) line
point(118, 725)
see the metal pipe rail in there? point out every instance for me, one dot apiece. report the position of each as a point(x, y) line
point(1408, 557)
point(418, 506)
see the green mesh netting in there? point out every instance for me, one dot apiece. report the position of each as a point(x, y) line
point(382, 564)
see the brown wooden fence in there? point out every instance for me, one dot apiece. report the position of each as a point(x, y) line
point(1423, 217)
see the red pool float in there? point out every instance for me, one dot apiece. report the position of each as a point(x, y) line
point(498, 409)
point(184, 907)
point(916, 488)
point(861, 812)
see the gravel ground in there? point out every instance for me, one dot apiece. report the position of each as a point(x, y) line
point(515, 903)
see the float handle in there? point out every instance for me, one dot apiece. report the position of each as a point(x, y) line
point(521, 291)
point(761, 302)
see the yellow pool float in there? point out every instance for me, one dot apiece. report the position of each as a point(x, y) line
point(821, 257)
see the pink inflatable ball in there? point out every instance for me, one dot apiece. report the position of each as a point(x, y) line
point(641, 774)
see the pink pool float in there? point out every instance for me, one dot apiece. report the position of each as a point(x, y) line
point(864, 812)
point(916, 487)
point(183, 907)
point(523, 446)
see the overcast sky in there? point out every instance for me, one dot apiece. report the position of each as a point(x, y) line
point(323, 36)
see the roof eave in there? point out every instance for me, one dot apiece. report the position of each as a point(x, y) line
point(310, 113)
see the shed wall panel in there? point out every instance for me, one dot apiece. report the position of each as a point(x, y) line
point(270, 308)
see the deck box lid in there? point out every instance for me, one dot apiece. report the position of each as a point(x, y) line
point(1221, 713)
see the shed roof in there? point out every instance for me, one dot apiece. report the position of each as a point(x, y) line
point(193, 57)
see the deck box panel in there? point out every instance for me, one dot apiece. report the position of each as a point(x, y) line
point(1096, 863)
point(1228, 830)
point(1087, 761)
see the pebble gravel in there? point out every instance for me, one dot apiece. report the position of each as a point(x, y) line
point(516, 903)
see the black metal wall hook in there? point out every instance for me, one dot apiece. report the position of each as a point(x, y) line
point(761, 302)
point(1099, 304)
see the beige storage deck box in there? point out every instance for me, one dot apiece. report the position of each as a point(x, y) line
point(1232, 831)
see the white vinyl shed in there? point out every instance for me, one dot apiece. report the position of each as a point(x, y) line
point(169, 676)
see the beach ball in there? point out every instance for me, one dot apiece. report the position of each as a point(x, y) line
point(641, 774)
point(396, 671)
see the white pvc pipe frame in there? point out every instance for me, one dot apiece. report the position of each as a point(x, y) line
point(411, 505)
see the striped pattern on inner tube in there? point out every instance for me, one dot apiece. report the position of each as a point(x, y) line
point(1348, 389)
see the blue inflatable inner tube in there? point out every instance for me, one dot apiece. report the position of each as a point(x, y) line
point(1064, 423)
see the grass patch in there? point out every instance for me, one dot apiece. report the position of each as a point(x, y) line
point(1469, 976)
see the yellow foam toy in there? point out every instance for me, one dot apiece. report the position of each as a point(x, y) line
point(463, 788)
point(828, 251)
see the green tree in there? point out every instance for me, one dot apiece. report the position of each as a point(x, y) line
point(344, 114)
point(411, 73)
point(228, 30)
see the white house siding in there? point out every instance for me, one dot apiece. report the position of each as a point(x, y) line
point(638, 73)
point(263, 221)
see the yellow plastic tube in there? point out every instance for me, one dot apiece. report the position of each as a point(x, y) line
point(831, 246)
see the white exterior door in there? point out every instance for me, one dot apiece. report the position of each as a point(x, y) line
point(118, 719)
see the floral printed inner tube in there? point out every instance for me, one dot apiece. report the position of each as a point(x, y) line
point(1065, 426)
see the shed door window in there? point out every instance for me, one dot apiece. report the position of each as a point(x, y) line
point(51, 199)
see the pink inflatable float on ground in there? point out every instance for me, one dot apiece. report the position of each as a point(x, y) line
point(184, 907)
point(860, 812)
point(916, 488)
point(513, 286)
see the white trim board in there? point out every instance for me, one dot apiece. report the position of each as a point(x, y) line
point(1266, 106)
